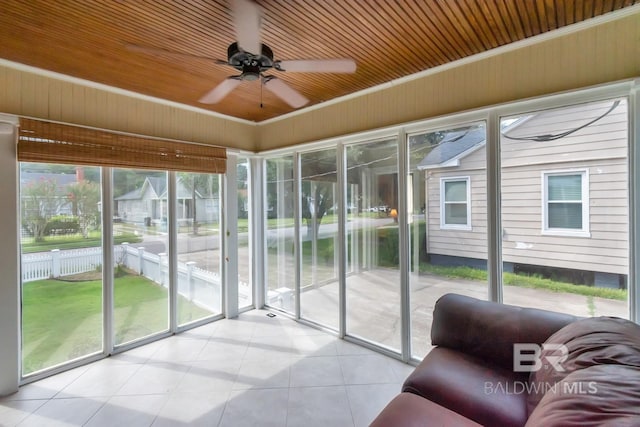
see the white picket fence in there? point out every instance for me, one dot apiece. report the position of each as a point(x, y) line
point(198, 285)
point(57, 263)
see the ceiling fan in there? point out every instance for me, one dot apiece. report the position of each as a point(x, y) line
point(252, 58)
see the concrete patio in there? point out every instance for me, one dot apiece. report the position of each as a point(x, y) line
point(373, 304)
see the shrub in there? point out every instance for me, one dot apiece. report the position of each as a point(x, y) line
point(388, 248)
point(62, 224)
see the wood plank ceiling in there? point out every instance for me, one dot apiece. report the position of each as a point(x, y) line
point(389, 39)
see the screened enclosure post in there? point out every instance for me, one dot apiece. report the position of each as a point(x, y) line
point(403, 243)
point(258, 222)
point(634, 202)
point(229, 236)
point(9, 263)
point(107, 260)
point(297, 249)
point(494, 227)
point(342, 238)
point(172, 206)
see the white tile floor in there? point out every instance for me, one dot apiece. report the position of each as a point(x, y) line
point(253, 371)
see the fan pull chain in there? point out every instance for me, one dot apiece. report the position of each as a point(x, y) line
point(261, 84)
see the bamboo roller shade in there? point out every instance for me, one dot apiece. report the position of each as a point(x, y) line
point(42, 141)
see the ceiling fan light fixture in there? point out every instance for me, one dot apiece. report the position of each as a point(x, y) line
point(251, 75)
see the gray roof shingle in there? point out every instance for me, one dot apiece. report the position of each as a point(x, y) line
point(453, 145)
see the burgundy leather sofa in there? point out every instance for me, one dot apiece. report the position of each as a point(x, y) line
point(586, 374)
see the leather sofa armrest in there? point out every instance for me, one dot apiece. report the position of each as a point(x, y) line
point(410, 410)
point(488, 330)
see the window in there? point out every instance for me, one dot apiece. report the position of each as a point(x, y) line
point(79, 302)
point(140, 254)
point(62, 287)
point(565, 206)
point(433, 155)
point(373, 293)
point(198, 227)
point(566, 202)
point(455, 209)
point(280, 268)
point(319, 237)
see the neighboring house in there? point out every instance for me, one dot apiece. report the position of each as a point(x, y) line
point(62, 182)
point(148, 203)
point(564, 192)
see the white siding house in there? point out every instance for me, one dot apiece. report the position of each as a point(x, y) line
point(149, 203)
point(146, 201)
point(564, 192)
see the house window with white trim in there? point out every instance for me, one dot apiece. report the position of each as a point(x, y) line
point(455, 203)
point(566, 202)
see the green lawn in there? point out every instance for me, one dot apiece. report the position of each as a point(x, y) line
point(62, 320)
point(512, 279)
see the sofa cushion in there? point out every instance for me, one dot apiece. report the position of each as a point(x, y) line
point(410, 410)
point(485, 393)
point(488, 330)
point(601, 395)
point(588, 342)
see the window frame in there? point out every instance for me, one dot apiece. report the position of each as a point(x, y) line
point(569, 232)
point(443, 203)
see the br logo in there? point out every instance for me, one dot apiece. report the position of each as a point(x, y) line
point(527, 357)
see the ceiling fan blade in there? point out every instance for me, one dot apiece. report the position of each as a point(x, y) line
point(246, 21)
point(285, 92)
point(318, 65)
point(160, 51)
point(219, 92)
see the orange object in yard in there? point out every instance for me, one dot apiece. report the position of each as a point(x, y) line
point(394, 215)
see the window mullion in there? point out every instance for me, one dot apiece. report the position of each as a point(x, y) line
point(173, 252)
point(108, 338)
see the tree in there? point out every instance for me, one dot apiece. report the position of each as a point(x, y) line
point(317, 199)
point(40, 201)
point(85, 196)
point(318, 185)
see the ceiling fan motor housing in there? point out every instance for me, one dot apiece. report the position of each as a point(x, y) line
point(251, 65)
